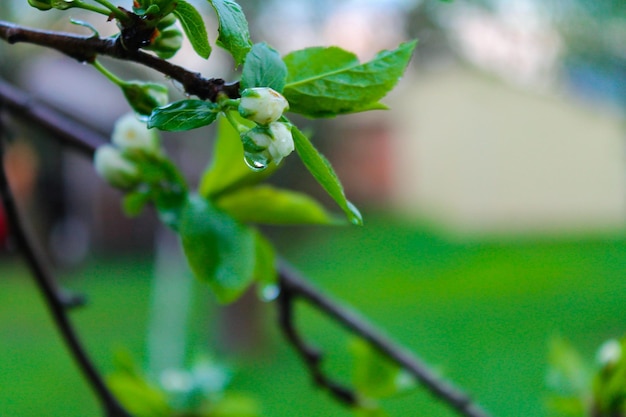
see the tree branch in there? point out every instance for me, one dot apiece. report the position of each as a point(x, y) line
point(57, 301)
point(293, 286)
point(312, 357)
point(86, 49)
point(296, 286)
point(73, 134)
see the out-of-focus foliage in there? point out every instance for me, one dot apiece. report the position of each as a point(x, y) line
point(200, 391)
point(579, 387)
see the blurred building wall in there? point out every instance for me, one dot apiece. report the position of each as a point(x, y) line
point(480, 156)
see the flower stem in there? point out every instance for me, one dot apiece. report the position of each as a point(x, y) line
point(112, 77)
point(228, 103)
point(235, 123)
point(91, 8)
point(119, 14)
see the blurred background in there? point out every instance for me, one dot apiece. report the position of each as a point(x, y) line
point(494, 194)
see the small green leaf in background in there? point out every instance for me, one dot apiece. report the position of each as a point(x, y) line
point(265, 204)
point(568, 372)
point(220, 251)
point(134, 202)
point(134, 391)
point(162, 184)
point(234, 35)
point(324, 82)
point(183, 115)
point(374, 375)
point(234, 405)
point(264, 68)
point(265, 272)
point(568, 379)
point(193, 25)
point(228, 171)
point(324, 173)
point(144, 97)
point(609, 382)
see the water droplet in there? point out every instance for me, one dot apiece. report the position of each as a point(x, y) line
point(270, 292)
point(354, 214)
point(143, 117)
point(256, 161)
point(178, 86)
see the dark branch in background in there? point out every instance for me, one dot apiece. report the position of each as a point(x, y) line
point(295, 286)
point(87, 49)
point(292, 286)
point(311, 356)
point(28, 109)
point(57, 301)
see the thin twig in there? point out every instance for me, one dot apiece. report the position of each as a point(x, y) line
point(57, 301)
point(86, 49)
point(296, 286)
point(293, 286)
point(311, 356)
point(25, 107)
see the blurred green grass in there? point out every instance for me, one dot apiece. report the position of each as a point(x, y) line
point(481, 312)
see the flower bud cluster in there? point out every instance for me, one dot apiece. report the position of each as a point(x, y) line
point(144, 97)
point(51, 4)
point(115, 163)
point(265, 144)
point(169, 38)
point(271, 140)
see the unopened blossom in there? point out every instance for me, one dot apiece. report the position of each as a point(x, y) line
point(262, 105)
point(130, 134)
point(610, 352)
point(111, 165)
point(265, 144)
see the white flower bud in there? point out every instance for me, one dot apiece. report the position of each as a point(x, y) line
point(282, 144)
point(609, 353)
point(265, 144)
point(262, 105)
point(114, 168)
point(130, 134)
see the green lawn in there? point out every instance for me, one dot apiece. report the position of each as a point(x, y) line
point(482, 313)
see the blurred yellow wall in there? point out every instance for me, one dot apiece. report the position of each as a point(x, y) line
point(480, 156)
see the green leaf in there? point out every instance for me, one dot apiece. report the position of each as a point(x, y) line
point(144, 97)
point(183, 115)
point(134, 391)
point(265, 204)
point(609, 382)
point(568, 373)
point(374, 376)
point(324, 82)
point(220, 251)
point(324, 173)
point(233, 404)
point(138, 396)
point(227, 170)
point(193, 25)
point(160, 183)
point(265, 268)
point(134, 202)
point(264, 68)
point(234, 35)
